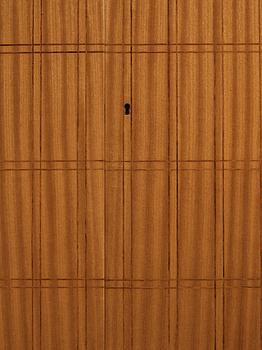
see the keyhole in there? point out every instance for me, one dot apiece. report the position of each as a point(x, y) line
point(127, 108)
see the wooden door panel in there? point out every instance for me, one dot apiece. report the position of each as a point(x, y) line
point(16, 233)
point(94, 315)
point(150, 319)
point(242, 229)
point(59, 236)
point(59, 106)
point(95, 22)
point(113, 107)
point(60, 21)
point(149, 225)
point(12, 334)
point(95, 101)
point(195, 21)
point(95, 226)
point(150, 107)
point(102, 24)
point(104, 122)
point(241, 107)
point(173, 228)
point(196, 224)
point(196, 119)
point(198, 331)
point(16, 22)
point(59, 318)
point(136, 229)
point(150, 22)
point(114, 336)
point(242, 303)
point(243, 27)
point(114, 24)
point(15, 106)
point(114, 225)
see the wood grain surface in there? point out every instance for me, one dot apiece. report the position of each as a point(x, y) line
point(139, 231)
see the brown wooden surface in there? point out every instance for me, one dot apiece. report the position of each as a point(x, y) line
point(137, 232)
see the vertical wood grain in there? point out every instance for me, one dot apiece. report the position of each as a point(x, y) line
point(114, 225)
point(140, 231)
point(195, 21)
point(95, 224)
point(15, 22)
point(15, 100)
point(59, 318)
point(114, 107)
point(59, 224)
point(59, 106)
point(114, 319)
point(242, 318)
point(150, 312)
point(241, 108)
point(196, 224)
point(94, 22)
point(242, 228)
point(149, 222)
point(196, 119)
point(241, 21)
point(60, 22)
point(150, 107)
point(114, 21)
point(196, 318)
point(16, 319)
point(150, 21)
point(16, 224)
point(94, 333)
point(94, 107)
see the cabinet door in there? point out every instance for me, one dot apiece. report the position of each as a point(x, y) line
point(130, 174)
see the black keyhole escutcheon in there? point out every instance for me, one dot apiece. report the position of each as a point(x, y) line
point(127, 108)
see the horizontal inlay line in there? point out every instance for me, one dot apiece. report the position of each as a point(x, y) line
point(134, 169)
point(132, 44)
point(133, 280)
point(130, 161)
point(130, 288)
point(129, 52)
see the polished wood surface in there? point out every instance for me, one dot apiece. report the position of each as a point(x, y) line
point(139, 231)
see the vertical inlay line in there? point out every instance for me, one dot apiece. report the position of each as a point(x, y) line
point(223, 177)
point(40, 209)
point(32, 175)
point(248, 134)
point(260, 173)
point(123, 170)
point(177, 187)
point(104, 90)
point(131, 180)
point(86, 48)
point(215, 173)
point(77, 175)
point(168, 165)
